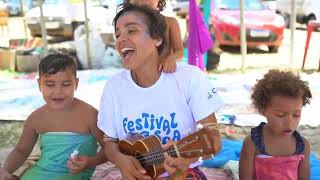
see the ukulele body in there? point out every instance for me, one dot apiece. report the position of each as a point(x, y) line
point(138, 145)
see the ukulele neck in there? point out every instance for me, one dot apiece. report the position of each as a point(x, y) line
point(157, 156)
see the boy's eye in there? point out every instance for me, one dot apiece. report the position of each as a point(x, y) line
point(49, 84)
point(66, 84)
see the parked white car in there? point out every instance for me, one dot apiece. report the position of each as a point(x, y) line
point(61, 18)
point(306, 10)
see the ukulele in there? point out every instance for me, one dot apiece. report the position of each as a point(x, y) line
point(149, 152)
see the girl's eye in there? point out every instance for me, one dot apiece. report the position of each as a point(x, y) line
point(280, 115)
point(117, 36)
point(297, 115)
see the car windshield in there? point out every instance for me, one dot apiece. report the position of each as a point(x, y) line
point(235, 4)
point(89, 2)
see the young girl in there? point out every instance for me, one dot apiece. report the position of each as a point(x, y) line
point(173, 52)
point(275, 150)
point(64, 125)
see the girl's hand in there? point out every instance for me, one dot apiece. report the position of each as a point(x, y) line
point(130, 168)
point(5, 175)
point(168, 65)
point(78, 164)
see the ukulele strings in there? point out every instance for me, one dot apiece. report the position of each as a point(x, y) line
point(149, 157)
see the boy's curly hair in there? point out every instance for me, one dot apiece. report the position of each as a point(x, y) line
point(283, 83)
point(161, 4)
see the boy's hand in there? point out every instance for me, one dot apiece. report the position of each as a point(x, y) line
point(5, 175)
point(77, 164)
point(130, 168)
point(167, 65)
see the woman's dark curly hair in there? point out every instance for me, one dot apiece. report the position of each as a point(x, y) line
point(279, 83)
point(161, 4)
point(154, 21)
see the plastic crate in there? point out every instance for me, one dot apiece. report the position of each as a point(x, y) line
point(7, 59)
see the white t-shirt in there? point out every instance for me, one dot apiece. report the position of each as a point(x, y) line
point(167, 109)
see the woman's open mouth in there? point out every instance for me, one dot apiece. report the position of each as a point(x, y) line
point(127, 53)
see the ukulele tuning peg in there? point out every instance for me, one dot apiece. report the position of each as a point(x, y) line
point(199, 126)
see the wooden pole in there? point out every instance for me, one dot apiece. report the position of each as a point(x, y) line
point(24, 20)
point(86, 26)
point(292, 32)
point(242, 36)
point(43, 29)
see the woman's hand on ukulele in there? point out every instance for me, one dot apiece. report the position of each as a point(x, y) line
point(77, 164)
point(130, 168)
point(174, 165)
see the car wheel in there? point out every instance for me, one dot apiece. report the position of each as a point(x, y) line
point(310, 18)
point(273, 49)
point(287, 20)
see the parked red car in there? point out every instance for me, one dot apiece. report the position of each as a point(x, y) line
point(263, 26)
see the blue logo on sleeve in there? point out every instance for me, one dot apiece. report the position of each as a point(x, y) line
point(164, 129)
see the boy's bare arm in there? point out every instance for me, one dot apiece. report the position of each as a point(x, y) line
point(246, 164)
point(23, 149)
point(98, 134)
point(304, 166)
point(175, 40)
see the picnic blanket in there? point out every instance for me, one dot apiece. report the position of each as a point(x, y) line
point(20, 91)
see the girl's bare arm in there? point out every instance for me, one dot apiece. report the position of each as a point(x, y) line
point(175, 40)
point(246, 164)
point(304, 166)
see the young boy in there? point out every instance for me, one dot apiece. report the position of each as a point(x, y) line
point(65, 125)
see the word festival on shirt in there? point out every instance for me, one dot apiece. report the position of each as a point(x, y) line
point(148, 123)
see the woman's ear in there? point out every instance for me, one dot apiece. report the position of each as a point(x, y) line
point(157, 42)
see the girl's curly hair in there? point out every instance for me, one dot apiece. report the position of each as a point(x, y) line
point(283, 83)
point(161, 4)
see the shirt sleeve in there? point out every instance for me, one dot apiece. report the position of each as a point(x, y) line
point(203, 96)
point(107, 113)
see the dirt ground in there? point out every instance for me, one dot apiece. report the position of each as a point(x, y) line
point(10, 132)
